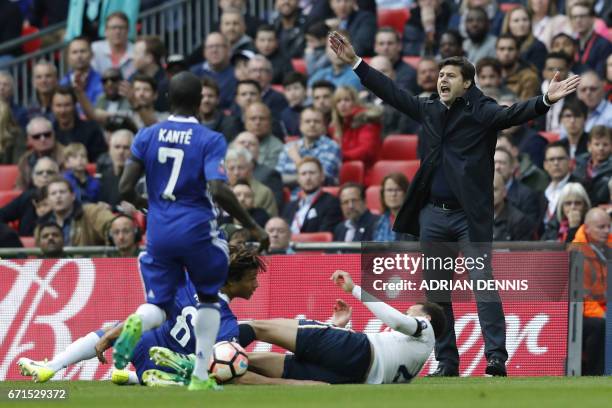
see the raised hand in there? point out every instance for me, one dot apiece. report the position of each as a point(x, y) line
point(344, 280)
point(342, 313)
point(558, 90)
point(342, 47)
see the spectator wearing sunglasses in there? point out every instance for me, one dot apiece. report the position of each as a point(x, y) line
point(41, 139)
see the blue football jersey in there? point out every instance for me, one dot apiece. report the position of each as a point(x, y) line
point(179, 156)
point(177, 331)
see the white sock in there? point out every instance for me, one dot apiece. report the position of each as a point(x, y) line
point(206, 327)
point(152, 316)
point(132, 377)
point(81, 349)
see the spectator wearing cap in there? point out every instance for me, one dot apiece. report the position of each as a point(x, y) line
point(594, 168)
point(240, 62)
point(79, 60)
point(280, 236)
point(176, 63)
point(30, 205)
point(509, 223)
point(50, 240)
point(339, 73)
point(572, 119)
point(359, 222)
point(289, 23)
point(115, 51)
point(217, 67)
point(295, 91)
point(149, 55)
point(210, 114)
point(314, 210)
point(260, 70)
point(41, 138)
point(266, 44)
point(44, 81)
point(233, 27)
point(314, 143)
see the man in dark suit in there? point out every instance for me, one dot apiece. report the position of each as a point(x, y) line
point(450, 198)
point(314, 210)
point(359, 222)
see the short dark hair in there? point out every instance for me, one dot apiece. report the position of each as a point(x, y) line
point(60, 180)
point(455, 34)
point(588, 5)
point(293, 77)
point(208, 82)
point(318, 29)
point(155, 46)
point(559, 55)
point(80, 38)
point(389, 30)
point(48, 224)
point(482, 11)
point(65, 90)
point(243, 260)
point(569, 37)
point(576, 106)
point(467, 68)
point(248, 82)
point(352, 184)
point(242, 182)
point(147, 79)
point(323, 83)
point(310, 159)
point(507, 36)
point(118, 14)
point(265, 28)
point(600, 132)
point(438, 317)
point(398, 178)
point(489, 62)
point(557, 144)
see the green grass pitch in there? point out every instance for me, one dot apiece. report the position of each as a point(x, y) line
point(539, 392)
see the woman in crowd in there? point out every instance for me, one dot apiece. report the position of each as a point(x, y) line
point(572, 207)
point(392, 193)
point(518, 23)
point(355, 127)
point(545, 21)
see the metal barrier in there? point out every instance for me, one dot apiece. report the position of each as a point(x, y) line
point(182, 25)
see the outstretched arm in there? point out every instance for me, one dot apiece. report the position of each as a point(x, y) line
point(251, 378)
point(375, 81)
point(390, 316)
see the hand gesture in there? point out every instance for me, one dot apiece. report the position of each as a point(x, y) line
point(344, 280)
point(559, 90)
point(293, 151)
point(342, 313)
point(261, 236)
point(78, 82)
point(343, 49)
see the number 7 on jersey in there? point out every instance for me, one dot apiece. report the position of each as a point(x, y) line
point(163, 154)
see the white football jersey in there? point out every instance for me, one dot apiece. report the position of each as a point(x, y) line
point(399, 357)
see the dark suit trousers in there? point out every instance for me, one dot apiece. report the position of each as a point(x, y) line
point(444, 233)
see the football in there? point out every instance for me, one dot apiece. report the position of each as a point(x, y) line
point(228, 361)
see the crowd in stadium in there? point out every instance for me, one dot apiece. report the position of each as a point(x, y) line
point(312, 154)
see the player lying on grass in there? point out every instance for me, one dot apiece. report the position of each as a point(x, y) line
point(176, 333)
point(333, 354)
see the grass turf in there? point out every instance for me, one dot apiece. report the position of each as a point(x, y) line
point(424, 392)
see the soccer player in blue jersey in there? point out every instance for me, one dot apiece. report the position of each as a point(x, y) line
point(176, 334)
point(183, 164)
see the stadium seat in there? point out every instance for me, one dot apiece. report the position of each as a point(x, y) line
point(278, 88)
point(28, 242)
point(373, 199)
point(395, 18)
point(313, 237)
point(412, 61)
point(32, 45)
point(506, 7)
point(383, 167)
point(299, 65)
point(333, 190)
point(91, 169)
point(550, 136)
point(399, 147)
point(8, 196)
point(8, 176)
point(292, 138)
point(352, 171)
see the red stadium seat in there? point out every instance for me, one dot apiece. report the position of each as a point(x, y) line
point(395, 18)
point(278, 88)
point(8, 196)
point(550, 136)
point(32, 45)
point(373, 199)
point(28, 242)
point(333, 190)
point(399, 147)
point(413, 61)
point(352, 171)
point(91, 169)
point(383, 167)
point(299, 65)
point(506, 7)
point(8, 176)
point(313, 237)
point(292, 138)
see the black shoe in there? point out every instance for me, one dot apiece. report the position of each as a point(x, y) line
point(496, 368)
point(445, 371)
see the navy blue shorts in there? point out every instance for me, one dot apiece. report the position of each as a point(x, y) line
point(327, 353)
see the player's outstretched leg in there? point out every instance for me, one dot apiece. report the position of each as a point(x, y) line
point(181, 363)
point(124, 377)
point(38, 370)
point(206, 327)
point(158, 378)
point(126, 342)
point(281, 332)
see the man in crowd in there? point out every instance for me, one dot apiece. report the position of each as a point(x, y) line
point(124, 234)
point(359, 24)
point(51, 240)
point(143, 99)
point(44, 80)
point(289, 25)
point(339, 73)
point(260, 70)
point(594, 168)
point(509, 223)
point(314, 143)
point(591, 92)
point(82, 224)
point(526, 172)
point(257, 120)
point(211, 115)
point(554, 62)
point(112, 101)
point(557, 166)
point(489, 76)
point(572, 118)
point(119, 152)
point(427, 76)
point(280, 236)
point(480, 42)
point(7, 88)
point(115, 51)
point(149, 54)
point(322, 98)
point(593, 48)
point(314, 210)
point(266, 44)
point(389, 44)
point(233, 27)
point(519, 76)
point(359, 223)
point(79, 61)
